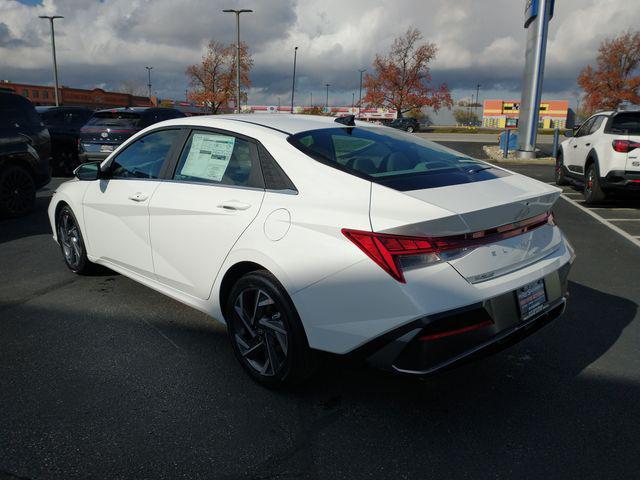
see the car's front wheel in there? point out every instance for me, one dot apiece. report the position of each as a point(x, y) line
point(72, 243)
point(409, 129)
point(266, 333)
point(17, 191)
point(593, 192)
point(560, 175)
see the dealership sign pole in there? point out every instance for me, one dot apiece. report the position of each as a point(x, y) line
point(537, 16)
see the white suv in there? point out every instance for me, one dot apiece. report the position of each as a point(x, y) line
point(603, 155)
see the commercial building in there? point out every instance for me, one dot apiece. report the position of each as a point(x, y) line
point(504, 114)
point(96, 98)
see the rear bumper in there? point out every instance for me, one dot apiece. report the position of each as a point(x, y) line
point(621, 180)
point(413, 349)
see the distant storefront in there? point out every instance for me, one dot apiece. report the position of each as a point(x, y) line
point(96, 98)
point(505, 114)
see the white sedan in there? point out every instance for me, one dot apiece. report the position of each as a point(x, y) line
point(312, 234)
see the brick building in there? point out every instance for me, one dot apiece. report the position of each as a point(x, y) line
point(96, 98)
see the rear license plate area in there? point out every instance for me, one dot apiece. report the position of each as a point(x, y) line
point(106, 148)
point(532, 299)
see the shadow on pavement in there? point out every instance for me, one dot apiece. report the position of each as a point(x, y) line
point(35, 223)
point(98, 392)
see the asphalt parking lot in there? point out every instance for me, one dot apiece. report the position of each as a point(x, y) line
point(103, 378)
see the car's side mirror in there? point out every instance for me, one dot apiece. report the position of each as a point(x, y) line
point(568, 133)
point(88, 171)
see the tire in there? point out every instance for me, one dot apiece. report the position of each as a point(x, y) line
point(592, 190)
point(17, 191)
point(560, 175)
point(409, 129)
point(266, 333)
point(71, 242)
point(65, 163)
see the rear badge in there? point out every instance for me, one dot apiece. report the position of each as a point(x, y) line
point(104, 134)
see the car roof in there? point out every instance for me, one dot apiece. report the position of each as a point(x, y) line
point(124, 109)
point(289, 124)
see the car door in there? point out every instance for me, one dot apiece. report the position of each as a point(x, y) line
point(215, 193)
point(585, 143)
point(116, 207)
point(573, 154)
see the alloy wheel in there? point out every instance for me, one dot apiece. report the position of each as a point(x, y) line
point(70, 240)
point(17, 191)
point(260, 332)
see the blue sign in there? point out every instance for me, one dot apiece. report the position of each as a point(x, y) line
point(531, 10)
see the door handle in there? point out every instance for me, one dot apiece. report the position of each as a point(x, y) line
point(138, 197)
point(587, 144)
point(575, 146)
point(234, 205)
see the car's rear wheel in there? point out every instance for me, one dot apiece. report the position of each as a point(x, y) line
point(266, 332)
point(560, 175)
point(593, 192)
point(17, 191)
point(72, 243)
point(409, 129)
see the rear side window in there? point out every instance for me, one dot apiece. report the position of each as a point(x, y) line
point(219, 159)
point(144, 157)
point(115, 119)
point(17, 112)
point(627, 123)
point(595, 126)
point(395, 159)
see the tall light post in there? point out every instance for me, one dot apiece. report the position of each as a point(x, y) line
point(353, 99)
point(327, 85)
point(149, 80)
point(311, 99)
point(360, 95)
point(293, 85)
point(237, 12)
point(477, 97)
point(53, 49)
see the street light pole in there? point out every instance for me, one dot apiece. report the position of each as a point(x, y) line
point(149, 80)
point(53, 49)
point(293, 86)
point(237, 12)
point(327, 102)
point(360, 95)
point(477, 97)
point(311, 99)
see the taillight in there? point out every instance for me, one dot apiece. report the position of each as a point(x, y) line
point(395, 253)
point(624, 146)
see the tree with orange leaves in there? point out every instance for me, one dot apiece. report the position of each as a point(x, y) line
point(617, 77)
point(402, 79)
point(214, 79)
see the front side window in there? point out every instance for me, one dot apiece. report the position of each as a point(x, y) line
point(144, 157)
point(216, 158)
point(395, 159)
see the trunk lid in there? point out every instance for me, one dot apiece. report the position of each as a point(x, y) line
point(468, 208)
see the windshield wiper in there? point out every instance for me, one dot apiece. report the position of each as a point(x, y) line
point(476, 170)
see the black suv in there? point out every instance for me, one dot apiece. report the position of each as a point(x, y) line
point(407, 124)
point(24, 154)
point(109, 128)
point(64, 125)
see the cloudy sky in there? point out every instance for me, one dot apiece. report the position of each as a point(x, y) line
point(106, 43)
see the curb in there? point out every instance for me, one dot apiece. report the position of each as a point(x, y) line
point(497, 158)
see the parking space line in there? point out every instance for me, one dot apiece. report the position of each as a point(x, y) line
point(624, 219)
point(633, 239)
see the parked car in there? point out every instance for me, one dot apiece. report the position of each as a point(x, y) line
point(107, 129)
point(603, 155)
point(408, 124)
point(64, 125)
point(24, 154)
point(305, 234)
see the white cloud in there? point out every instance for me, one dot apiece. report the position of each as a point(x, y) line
point(111, 41)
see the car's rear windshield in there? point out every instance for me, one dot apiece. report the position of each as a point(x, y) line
point(396, 159)
point(114, 119)
point(627, 123)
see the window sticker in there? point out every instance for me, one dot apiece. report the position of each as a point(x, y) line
point(209, 156)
